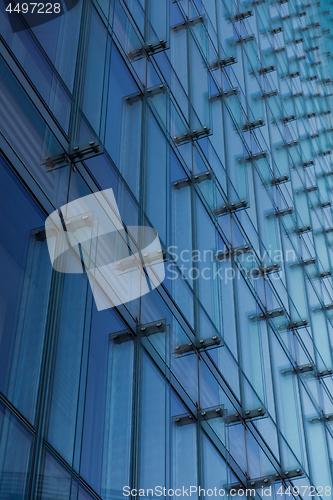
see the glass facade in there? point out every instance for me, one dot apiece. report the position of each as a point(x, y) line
point(211, 122)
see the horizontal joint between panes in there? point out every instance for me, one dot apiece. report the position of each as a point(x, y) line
point(197, 346)
point(221, 63)
point(268, 315)
point(233, 207)
point(200, 416)
point(246, 415)
point(196, 179)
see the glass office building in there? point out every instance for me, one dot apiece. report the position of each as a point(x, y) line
point(211, 122)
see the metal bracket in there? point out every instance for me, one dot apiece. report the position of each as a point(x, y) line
point(246, 415)
point(324, 373)
point(222, 63)
point(191, 136)
point(308, 163)
point(256, 156)
point(297, 324)
point(288, 119)
point(243, 15)
point(199, 416)
point(190, 22)
point(268, 315)
point(151, 328)
point(303, 229)
point(288, 474)
point(278, 180)
point(306, 262)
point(307, 190)
point(231, 208)
point(224, 254)
point(253, 125)
point(224, 93)
point(267, 95)
point(262, 271)
point(280, 213)
point(132, 261)
point(77, 153)
point(141, 331)
point(267, 69)
point(245, 39)
point(202, 344)
point(290, 144)
point(196, 179)
point(123, 336)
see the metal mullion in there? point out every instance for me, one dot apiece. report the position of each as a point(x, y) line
point(79, 72)
point(136, 416)
point(46, 380)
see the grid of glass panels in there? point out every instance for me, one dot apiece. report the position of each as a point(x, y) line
point(211, 122)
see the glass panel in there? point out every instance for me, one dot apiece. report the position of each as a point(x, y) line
point(15, 446)
point(117, 440)
point(20, 122)
point(24, 293)
point(55, 481)
point(154, 419)
point(94, 72)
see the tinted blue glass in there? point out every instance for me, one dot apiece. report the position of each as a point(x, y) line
point(24, 293)
point(121, 85)
point(15, 447)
